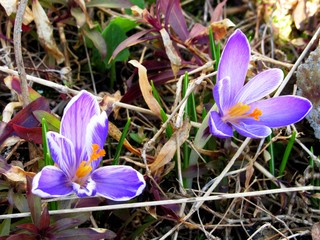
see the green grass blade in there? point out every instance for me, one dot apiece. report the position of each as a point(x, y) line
point(287, 154)
point(120, 144)
point(169, 130)
point(215, 49)
point(46, 151)
point(155, 93)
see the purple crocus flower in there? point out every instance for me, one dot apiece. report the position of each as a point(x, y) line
point(77, 151)
point(241, 106)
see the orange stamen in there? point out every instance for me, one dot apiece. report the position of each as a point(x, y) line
point(256, 114)
point(84, 168)
point(241, 110)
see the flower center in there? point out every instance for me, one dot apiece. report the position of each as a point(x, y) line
point(85, 166)
point(239, 111)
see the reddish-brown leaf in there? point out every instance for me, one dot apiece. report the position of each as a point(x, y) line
point(24, 120)
point(174, 17)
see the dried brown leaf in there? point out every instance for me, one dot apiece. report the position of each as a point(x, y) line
point(17, 175)
point(168, 150)
point(249, 174)
point(315, 231)
point(171, 52)
point(82, 5)
point(146, 89)
point(9, 6)
point(45, 31)
point(220, 28)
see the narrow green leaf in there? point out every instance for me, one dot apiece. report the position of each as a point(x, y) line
point(287, 154)
point(46, 151)
point(169, 130)
point(215, 49)
point(120, 144)
point(52, 121)
point(155, 93)
point(6, 223)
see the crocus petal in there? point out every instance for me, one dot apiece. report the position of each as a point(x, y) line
point(260, 86)
point(62, 153)
point(51, 182)
point(234, 61)
point(97, 131)
point(217, 127)
point(252, 131)
point(88, 190)
point(281, 111)
point(76, 117)
point(118, 183)
point(222, 95)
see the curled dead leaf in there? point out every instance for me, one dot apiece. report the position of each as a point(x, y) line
point(16, 175)
point(169, 149)
point(9, 6)
point(146, 89)
point(45, 31)
point(220, 28)
point(171, 52)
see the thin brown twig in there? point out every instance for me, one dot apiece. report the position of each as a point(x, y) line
point(18, 52)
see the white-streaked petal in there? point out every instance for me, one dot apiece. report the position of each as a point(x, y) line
point(234, 61)
point(88, 190)
point(51, 182)
point(260, 86)
point(118, 183)
point(62, 153)
point(217, 127)
point(222, 95)
point(97, 132)
point(76, 118)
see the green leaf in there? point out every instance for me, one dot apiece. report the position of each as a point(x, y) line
point(95, 36)
point(120, 144)
point(5, 225)
point(287, 154)
point(46, 151)
point(119, 26)
point(52, 121)
point(109, 3)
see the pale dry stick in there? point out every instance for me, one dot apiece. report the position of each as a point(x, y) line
point(165, 124)
point(89, 65)
point(197, 205)
point(258, 56)
point(180, 178)
point(296, 64)
point(18, 52)
point(314, 157)
point(163, 202)
point(264, 171)
point(300, 234)
point(58, 87)
point(266, 225)
point(269, 213)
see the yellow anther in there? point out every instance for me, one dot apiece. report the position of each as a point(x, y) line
point(238, 109)
point(241, 110)
point(83, 170)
